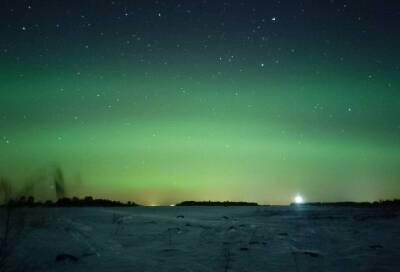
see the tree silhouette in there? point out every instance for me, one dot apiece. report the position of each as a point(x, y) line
point(59, 183)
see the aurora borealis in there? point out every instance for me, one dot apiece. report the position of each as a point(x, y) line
point(164, 101)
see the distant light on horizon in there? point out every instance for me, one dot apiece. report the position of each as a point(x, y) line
point(298, 199)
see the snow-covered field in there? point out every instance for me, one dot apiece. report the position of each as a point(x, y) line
point(223, 239)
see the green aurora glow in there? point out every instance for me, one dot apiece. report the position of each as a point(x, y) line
point(171, 117)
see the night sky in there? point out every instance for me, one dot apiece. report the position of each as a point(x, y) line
point(164, 101)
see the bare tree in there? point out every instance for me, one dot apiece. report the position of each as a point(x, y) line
point(59, 183)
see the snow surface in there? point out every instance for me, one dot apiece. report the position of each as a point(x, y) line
point(275, 238)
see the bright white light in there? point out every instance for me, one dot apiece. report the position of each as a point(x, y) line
point(298, 199)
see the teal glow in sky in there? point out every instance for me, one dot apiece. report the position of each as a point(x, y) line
point(168, 101)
